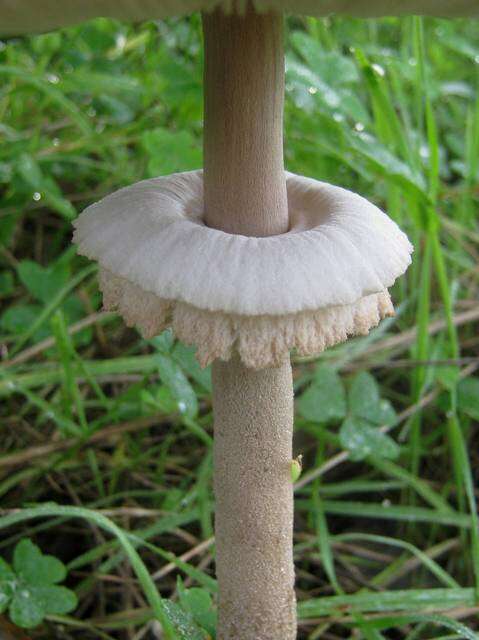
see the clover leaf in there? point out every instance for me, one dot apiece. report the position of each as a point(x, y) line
point(325, 399)
point(30, 589)
point(178, 384)
point(360, 433)
point(183, 621)
point(197, 602)
point(365, 401)
point(7, 584)
point(43, 282)
point(360, 410)
point(30, 564)
point(362, 440)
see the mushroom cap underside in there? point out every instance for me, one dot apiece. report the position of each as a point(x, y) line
point(307, 289)
point(260, 341)
point(35, 16)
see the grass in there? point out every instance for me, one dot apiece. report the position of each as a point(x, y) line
point(106, 437)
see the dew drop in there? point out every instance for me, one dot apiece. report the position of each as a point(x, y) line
point(120, 41)
point(379, 70)
point(424, 151)
point(182, 406)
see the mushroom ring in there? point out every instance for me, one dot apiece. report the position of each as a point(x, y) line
point(323, 280)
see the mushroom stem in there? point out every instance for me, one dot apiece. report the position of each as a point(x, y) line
point(245, 193)
point(254, 502)
point(244, 182)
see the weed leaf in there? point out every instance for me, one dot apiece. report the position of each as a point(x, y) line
point(325, 399)
point(35, 568)
point(363, 440)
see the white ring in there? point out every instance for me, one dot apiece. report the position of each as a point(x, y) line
point(340, 248)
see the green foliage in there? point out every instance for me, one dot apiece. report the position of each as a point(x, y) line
point(364, 400)
point(325, 398)
point(198, 604)
point(30, 590)
point(175, 380)
point(19, 318)
point(42, 284)
point(363, 440)
point(43, 186)
point(98, 415)
point(468, 397)
point(169, 152)
point(183, 621)
point(361, 410)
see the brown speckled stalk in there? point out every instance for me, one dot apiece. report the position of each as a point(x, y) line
point(254, 502)
point(245, 193)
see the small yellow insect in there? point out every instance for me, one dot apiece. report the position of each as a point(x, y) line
point(296, 467)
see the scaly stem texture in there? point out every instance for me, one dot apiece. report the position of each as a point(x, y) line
point(245, 193)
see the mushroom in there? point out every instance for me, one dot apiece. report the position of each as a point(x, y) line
point(246, 262)
point(309, 288)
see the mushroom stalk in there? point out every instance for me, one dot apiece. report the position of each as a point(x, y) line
point(245, 193)
point(244, 181)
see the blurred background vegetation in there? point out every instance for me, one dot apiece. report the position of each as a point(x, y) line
point(95, 417)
